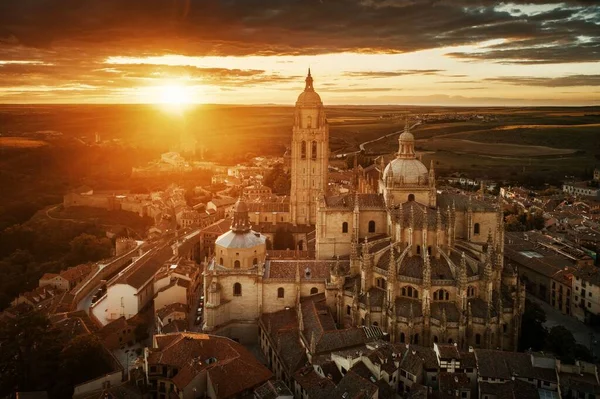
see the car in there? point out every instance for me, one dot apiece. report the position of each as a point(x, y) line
point(198, 320)
point(199, 311)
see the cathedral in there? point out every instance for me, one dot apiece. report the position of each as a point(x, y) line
point(423, 266)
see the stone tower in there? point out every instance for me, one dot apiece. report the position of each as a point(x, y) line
point(310, 155)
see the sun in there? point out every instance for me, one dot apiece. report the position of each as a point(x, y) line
point(175, 95)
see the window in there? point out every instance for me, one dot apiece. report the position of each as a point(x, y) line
point(309, 122)
point(441, 295)
point(470, 291)
point(429, 250)
point(477, 339)
point(314, 290)
point(372, 226)
point(220, 261)
point(236, 264)
point(280, 292)
point(416, 339)
point(303, 150)
point(313, 150)
point(418, 250)
point(402, 337)
point(345, 227)
point(348, 309)
point(237, 289)
point(504, 328)
point(476, 228)
point(435, 339)
point(411, 197)
point(255, 261)
point(410, 292)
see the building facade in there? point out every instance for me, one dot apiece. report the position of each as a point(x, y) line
point(424, 266)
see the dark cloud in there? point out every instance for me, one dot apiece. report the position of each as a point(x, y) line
point(564, 81)
point(391, 74)
point(271, 27)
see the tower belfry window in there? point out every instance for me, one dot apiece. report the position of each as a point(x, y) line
point(303, 150)
point(313, 152)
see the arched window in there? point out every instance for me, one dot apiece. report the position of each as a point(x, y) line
point(441, 295)
point(429, 250)
point(477, 339)
point(470, 291)
point(411, 197)
point(435, 339)
point(381, 283)
point(410, 292)
point(450, 341)
point(402, 337)
point(301, 245)
point(280, 292)
point(476, 228)
point(313, 150)
point(236, 264)
point(314, 290)
point(309, 122)
point(348, 309)
point(418, 250)
point(303, 150)
point(345, 227)
point(237, 289)
point(372, 226)
point(375, 323)
point(220, 261)
point(255, 261)
point(416, 339)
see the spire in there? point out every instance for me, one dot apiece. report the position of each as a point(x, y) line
point(392, 267)
point(309, 82)
point(426, 271)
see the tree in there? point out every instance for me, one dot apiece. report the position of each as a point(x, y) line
point(84, 358)
point(89, 248)
point(533, 332)
point(30, 349)
point(513, 223)
point(561, 342)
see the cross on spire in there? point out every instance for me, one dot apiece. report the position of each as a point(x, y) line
point(309, 82)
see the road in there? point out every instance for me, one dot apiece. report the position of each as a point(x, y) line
point(584, 334)
point(363, 144)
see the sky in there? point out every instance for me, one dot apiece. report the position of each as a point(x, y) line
point(421, 52)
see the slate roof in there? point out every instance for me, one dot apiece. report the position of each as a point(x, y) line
point(217, 228)
point(146, 267)
point(500, 364)
point(346, 201)
point(461, 202)
point(310, 270)
point(316, 386)
point(452, 311)
point(404, 305)
point(175, 326)
point(516, 389)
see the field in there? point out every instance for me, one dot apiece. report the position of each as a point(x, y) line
point(539, 141)
point(20, 142)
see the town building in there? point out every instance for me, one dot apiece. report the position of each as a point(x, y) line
point(581, 189)
point(191, 365)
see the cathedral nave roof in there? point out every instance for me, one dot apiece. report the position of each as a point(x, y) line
point(346, 201)
point(404, 305)
point(461, 202)
point(452, 311)
point(375, 297)
point(315, 270)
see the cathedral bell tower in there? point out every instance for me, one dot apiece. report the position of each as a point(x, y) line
point(310, 155)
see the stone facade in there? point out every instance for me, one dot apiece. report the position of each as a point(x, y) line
point(424, 266)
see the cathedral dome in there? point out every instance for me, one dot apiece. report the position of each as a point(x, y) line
point(308, 99)
point(409, 171)
point(406, 168)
